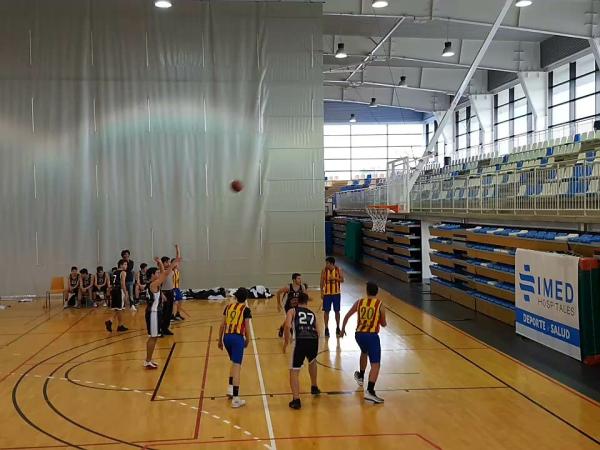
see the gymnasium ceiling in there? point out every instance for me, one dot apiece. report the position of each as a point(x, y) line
point(414, 48)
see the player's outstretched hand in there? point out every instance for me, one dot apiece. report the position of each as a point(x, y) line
point(246, 342)
point(343, 333)
point(220, 344)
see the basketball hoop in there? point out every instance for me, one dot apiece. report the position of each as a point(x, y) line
point(378, 215)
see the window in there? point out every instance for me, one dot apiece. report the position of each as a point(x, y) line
point(468, 135)
point(572, 96)
point(440, 147)
point(356, 150)
point(513, 121)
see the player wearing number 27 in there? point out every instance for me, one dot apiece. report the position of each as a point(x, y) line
point(371, 315)
point(303, 322)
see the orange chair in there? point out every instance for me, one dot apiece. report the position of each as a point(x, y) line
point(57, 287)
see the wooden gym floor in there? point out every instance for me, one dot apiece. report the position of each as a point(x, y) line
point(66, 383)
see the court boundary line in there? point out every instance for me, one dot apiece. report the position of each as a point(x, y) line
point(162, 373)
point(201, 398)
point(70, 419)
point(47, 343)
point(50, 316)
point(522, 364)
point(514, 389)
point(354, 271)
point(245, 441)
point(357, 391)
point(131, 334)
point(261, 383)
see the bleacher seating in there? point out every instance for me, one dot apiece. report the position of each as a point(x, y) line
point(564, 173)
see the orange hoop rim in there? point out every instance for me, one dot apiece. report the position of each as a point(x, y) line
point(389, 207)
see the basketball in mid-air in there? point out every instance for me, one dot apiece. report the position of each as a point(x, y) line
point(236, 186)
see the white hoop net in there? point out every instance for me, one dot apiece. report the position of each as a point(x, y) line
point(378, 217)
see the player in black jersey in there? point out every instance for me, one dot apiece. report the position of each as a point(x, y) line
point(101, 286)
point(156, 276)
point(72, 289)
point(292, 291)
point(85, 287)
point(306, 346)
point(118, 297)
point(141, 282)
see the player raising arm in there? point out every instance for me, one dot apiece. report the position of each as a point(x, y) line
point(155, 277)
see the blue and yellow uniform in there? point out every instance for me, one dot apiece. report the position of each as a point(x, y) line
point(235, 327)
point(331, 289)
point(367, 328)
point(176, 289)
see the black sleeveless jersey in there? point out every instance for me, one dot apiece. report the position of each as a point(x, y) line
point(292, 296)
point(305, 324)
point(100, 278)
point(117, 280)
point(143, 279)
point(73, 281)
point(86, 282)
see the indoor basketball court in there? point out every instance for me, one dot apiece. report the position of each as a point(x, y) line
point(300, 224)
point(65, 384)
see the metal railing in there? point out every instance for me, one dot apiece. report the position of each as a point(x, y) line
point(395, 192)
point(359, 199)
point(515, 143)
point(568, 188)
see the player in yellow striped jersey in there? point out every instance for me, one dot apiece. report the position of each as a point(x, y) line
point(331, 280)
point(371, 315)
point(234, 336)
point(178, 295)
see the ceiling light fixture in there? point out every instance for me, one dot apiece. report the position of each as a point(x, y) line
point(523, 3)
point(402, 81)
point(341, 53)
point(352, 118)
point(373, 103)
point(448, 52)
point(164, 4)
point(379, 3)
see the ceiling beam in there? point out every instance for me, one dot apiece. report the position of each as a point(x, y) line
point(378, 84)
point(367, 58)
point(464, 22)
point(424, 61)
point(404, 98)
point(421, 51)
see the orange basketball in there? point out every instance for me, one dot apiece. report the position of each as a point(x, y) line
point(236, 186)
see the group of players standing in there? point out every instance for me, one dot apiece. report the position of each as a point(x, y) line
point(126, 288)
point(300, 328)
point(159, 286)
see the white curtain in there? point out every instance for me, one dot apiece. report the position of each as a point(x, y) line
point(122, 125)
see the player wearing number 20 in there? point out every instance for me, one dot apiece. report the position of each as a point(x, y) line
point(371, 315)
point(306, 346)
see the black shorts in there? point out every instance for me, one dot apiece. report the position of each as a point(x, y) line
point(153, 321)
point(169, 295)
point(101, 289)
point(304, 349)
point(117, 299)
